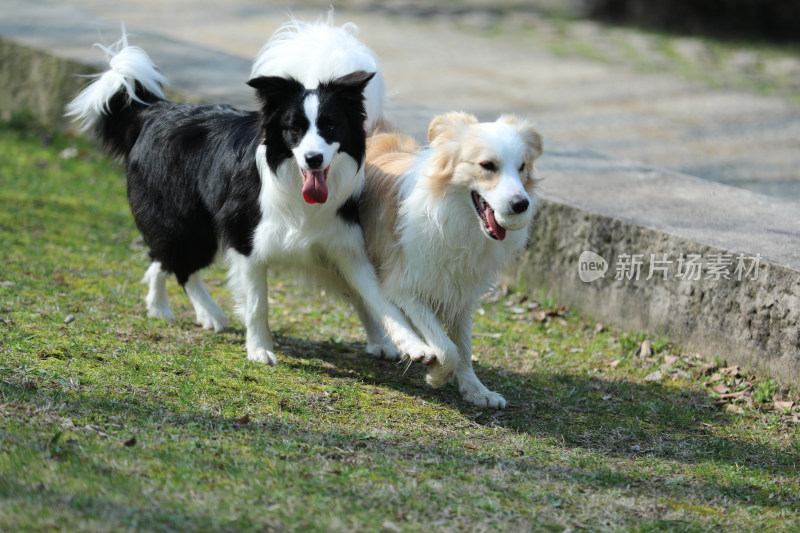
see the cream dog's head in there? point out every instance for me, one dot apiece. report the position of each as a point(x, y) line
point(490, 164)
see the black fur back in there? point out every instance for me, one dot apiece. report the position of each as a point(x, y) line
point(193, 182)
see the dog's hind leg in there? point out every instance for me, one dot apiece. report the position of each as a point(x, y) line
point(209, 315)
point(156, 300)
point(470, 387)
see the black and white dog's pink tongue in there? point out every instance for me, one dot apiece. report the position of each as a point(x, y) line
point(315, 188)
point(498, 230)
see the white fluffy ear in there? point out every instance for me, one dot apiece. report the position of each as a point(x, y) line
point(446, 126)
point(529, 135)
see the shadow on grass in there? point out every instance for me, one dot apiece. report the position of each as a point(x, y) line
point(568, 422)
point(612, 417)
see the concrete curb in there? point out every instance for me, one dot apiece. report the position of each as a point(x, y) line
point(723, 263)
point(748, 322)
point(35, 82)
point(610, 207)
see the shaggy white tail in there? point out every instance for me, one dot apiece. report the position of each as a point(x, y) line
point(129, 66)
point(312, 52)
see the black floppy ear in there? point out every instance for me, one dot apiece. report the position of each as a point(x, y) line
point(271, 90)
point(350, 85)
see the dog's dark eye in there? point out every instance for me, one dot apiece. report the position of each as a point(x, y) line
point(488, 165)
point(522, 168)
point(325, 127)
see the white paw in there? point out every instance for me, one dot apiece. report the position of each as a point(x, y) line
point(385, 350)
point(438, 376)
point(419, 353)
point(262, 355)
point(483, 397)
point(210, 321)
point(164, 313)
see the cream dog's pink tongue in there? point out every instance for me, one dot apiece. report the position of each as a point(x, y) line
point(315, 188)
point(498, 230)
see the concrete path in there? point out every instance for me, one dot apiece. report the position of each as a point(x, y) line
point(441, 63)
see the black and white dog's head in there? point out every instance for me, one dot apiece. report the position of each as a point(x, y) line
point(312, 128)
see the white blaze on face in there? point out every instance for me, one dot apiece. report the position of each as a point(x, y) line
point(313, 155)
point(508, 187)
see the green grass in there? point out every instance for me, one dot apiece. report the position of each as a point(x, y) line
point(110, 421)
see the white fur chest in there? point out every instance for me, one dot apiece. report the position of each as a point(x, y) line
point(292, 231)
point(449, 259)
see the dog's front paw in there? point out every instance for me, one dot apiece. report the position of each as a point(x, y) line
point(160, 312)
point(262, 355)
point(210, 321)
point(420, 353)
point(478, 394)
point(385, 350)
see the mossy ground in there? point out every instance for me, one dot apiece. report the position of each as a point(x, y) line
point(111, 421)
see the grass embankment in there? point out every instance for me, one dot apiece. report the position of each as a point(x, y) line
point(112, 421)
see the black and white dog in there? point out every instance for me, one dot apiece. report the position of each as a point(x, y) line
point(277, 187)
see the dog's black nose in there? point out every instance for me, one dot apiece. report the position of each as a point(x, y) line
point(519, 204)
point(313, 160)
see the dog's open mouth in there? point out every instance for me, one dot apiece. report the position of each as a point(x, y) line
point(490, 226)
point(315, 185)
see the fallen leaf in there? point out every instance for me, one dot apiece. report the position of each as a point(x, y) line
point(599, 328)
point(733, 395)
point(782, 405)
point(645, 350)
point(391, 526)
point(733, 408)
point(654, 376)
point(720, 389)
point(69, 319)
point(557, 311)
point(671, 359)
point(68, 153)
point(243, 420)
point(707, 369)
point(716, 376)
point(731, 370)
point(130, 442)
point(615, 363)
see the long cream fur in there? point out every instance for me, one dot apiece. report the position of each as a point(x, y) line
point(425, 236)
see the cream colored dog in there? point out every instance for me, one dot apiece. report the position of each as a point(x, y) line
point(440, 221)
